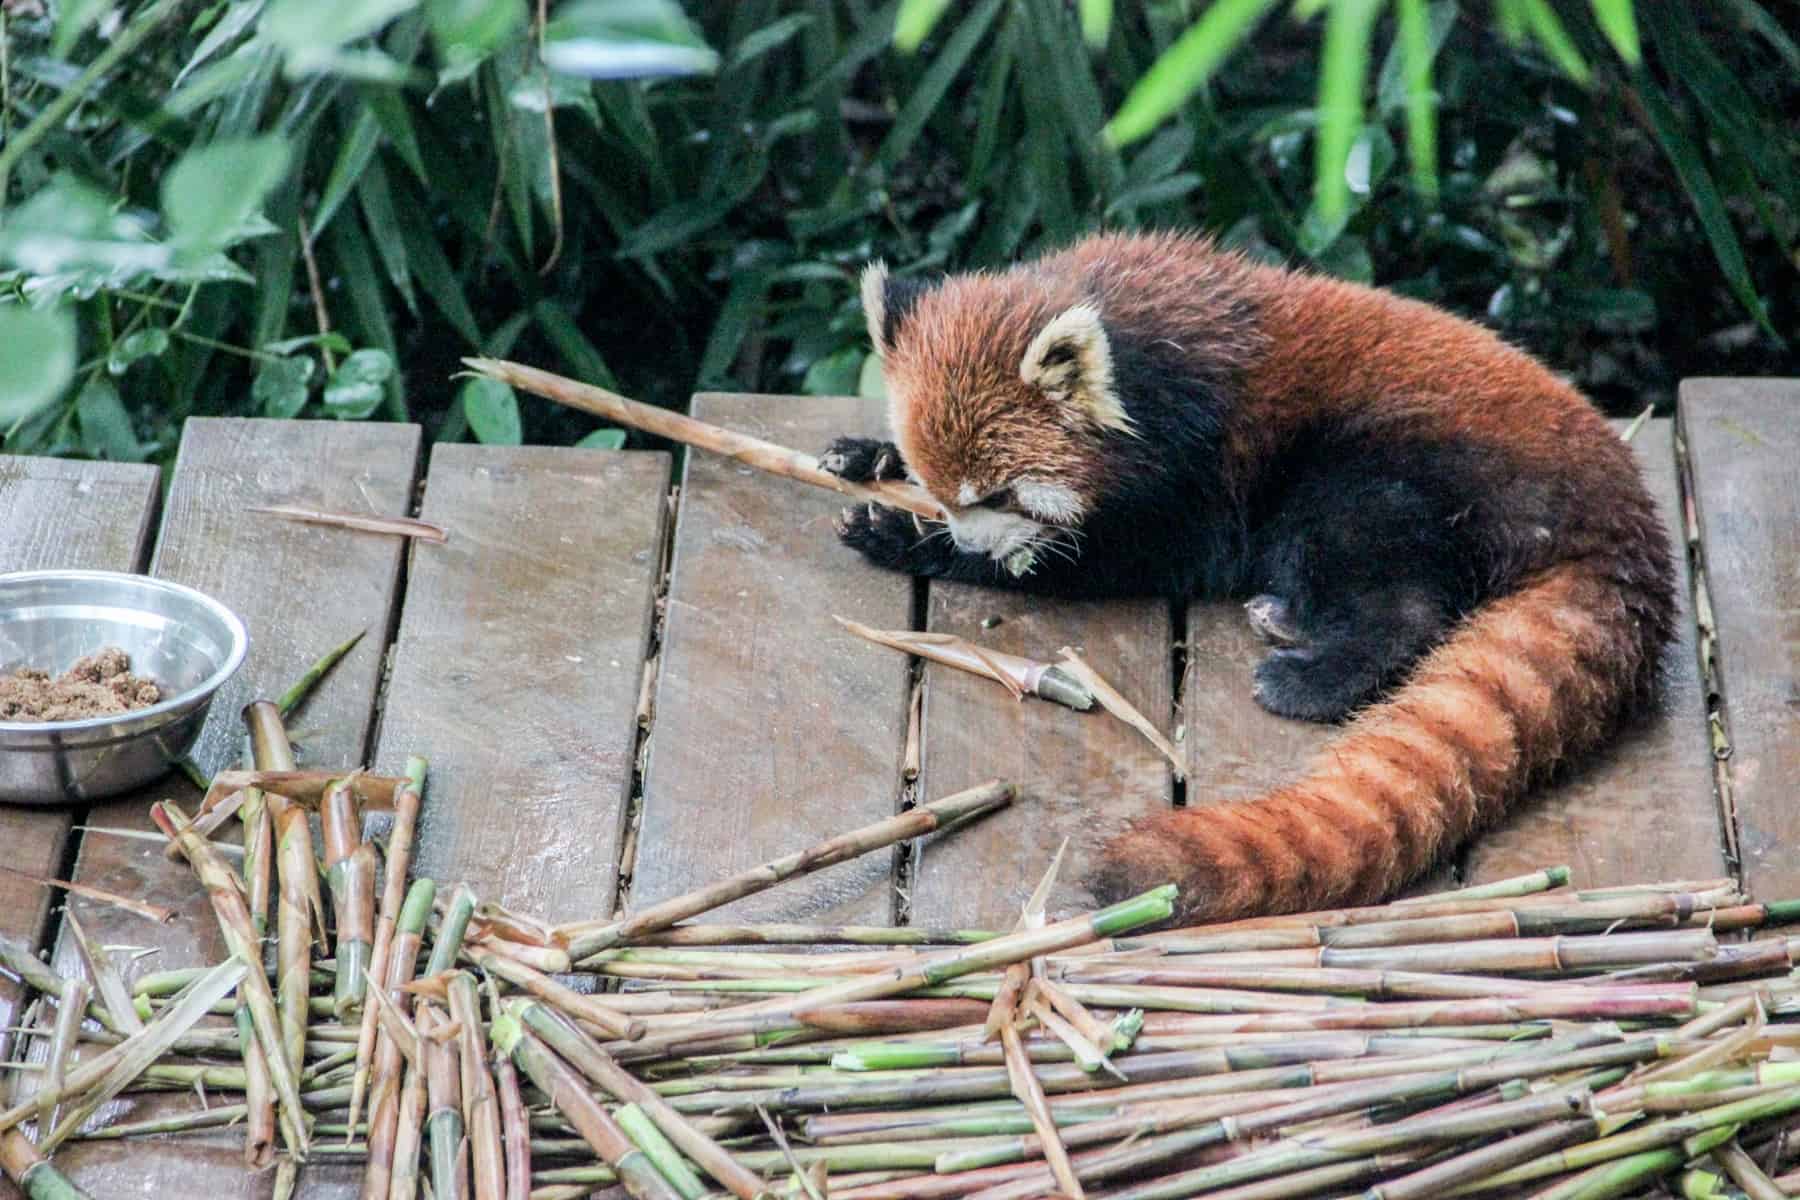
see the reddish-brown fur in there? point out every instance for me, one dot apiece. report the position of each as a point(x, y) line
point(1533, 679)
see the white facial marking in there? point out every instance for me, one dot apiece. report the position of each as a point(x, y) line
point(967, 496)
point(1048, 501)
point(991, 532)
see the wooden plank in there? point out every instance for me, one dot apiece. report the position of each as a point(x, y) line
point(300, 589)
point(1643, 809)
point(773, 727)
point(67, 515)
point(1743, 441)
point(1082, 776)
point(519, 664)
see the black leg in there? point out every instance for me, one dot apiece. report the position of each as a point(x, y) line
point(1358, 576)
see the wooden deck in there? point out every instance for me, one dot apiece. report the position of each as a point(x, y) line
point(628, 684)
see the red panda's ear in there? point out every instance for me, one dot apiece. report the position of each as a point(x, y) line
point(1070, 360)
point(886, 302)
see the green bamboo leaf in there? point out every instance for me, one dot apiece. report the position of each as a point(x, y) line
point(584, 360)
point(915, 21)
point(1618, 21)
point(742, 307)
point(227, 29)
point(1703, 193)
point(625, 39)
point(353, 157)
point(936, 81)
point(359, 384)
point(384, 227)
point(310, 32)
point(1344, 67)
point(1547, 28)
point(769, 37)
point(211, 195)
point(492, 411)
point(389, 111)
point(106, 430)
point(1096, 21)
point(603, 439)
point(280, 387)
point(1184, 68)
point(1756, 18)
point(37, 359)
point(352, 260)
point(467, 31)
point(425, 256)
point(145, 343)
point(1419, 41)
point(72, 20)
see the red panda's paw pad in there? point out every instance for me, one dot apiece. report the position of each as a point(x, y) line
point(863, 460)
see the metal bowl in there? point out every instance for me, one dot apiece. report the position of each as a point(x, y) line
point(188, 643)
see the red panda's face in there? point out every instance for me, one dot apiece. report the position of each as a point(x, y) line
point(998, 397)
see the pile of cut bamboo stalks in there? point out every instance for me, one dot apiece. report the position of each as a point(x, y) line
point(1519, 1038)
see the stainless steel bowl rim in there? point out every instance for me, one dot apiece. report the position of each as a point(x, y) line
point(240, 646)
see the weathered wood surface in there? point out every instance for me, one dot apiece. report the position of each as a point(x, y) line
point(518, 668)
point(1082, 776)
point(773, 726)
point(65, 515)
point(300, 589)
point(1743, 443)
point(1644, 808)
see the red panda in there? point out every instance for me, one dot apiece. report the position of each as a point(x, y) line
point(1440, 540)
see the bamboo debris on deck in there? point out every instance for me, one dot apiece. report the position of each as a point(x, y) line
point(1521, 1034)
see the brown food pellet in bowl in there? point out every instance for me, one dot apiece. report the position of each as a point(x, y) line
point(99, 685)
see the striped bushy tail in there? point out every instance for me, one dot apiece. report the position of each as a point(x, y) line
point(1529, 681)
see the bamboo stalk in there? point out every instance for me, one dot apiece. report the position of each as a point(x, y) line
point(234, 923)
point(1435, 1179)
point(753, 452)
point(919, 821)
point(481, 1105)
point(1029, 1092)
point(315, 674)
point(444, 1112)
point(34, 1174)
point(563, 1086)
point(515, 1126)
point(384, 1072)
point(259, 1094)
point(409, 527)
point(449, 940)
point(399, 1174)
point(407, 801)
point(71, 1007)
point(592, 1061)
point(660, 1150)
point(811, 935)
point(1745, 1172)
point(606, 1019)
point(150, 912)
point(350, 874)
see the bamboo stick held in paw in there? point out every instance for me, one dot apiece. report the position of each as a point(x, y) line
point(753, 452)
point(921, 820)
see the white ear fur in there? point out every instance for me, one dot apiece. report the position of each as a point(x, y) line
point(1071, 360)
point(874, 303)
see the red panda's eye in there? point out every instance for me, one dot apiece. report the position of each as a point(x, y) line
point(1000, 499)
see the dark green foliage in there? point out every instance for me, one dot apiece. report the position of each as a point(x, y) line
point(175, 172)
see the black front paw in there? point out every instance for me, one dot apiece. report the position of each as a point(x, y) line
point(863, 460)
point(1312, 685)
point(886, 537)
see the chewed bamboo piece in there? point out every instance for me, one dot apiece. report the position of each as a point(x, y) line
point(423, 531)
point(1020, 676)
point(751, 451)
point(1120, 707)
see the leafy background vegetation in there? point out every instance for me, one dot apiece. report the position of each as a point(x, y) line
point(316, 207)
